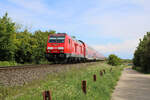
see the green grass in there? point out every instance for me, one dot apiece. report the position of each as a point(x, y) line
point(8, 63)
point(67, 85)
point(13, 63)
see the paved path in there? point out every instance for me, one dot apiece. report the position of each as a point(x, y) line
point(132, 86)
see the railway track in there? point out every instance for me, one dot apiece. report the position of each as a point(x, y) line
point(22, 66)
point(34, 66)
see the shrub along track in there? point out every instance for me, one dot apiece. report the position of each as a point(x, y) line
point(20, 75)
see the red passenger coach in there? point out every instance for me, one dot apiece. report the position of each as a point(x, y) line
point(63, 48)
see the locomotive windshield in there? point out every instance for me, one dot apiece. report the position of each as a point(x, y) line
point(58, 39)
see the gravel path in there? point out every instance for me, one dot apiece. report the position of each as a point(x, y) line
point(132, 86)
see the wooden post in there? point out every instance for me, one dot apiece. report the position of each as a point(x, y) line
point(47, 95)
point(94, 77)
point(101, 73)
point(84, 86)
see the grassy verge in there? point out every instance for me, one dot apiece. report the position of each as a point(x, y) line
point(13, 63)
point(8, 63)
point(67, 85)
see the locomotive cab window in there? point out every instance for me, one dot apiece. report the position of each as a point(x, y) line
point(59, 39)
point(52, 40)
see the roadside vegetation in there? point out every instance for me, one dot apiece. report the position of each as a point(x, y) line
point(8, 63)
point(141, 58)
point(114, 60)
point(67, 85)
point(19, 46)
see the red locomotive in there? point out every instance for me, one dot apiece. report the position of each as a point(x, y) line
point(63, 48)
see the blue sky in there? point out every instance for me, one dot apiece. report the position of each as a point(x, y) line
point(109, 26)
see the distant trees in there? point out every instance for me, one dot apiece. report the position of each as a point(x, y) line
point(142, 54)
point(21, 46)
point(114, 60)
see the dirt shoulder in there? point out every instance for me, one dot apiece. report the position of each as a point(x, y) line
point(132, 86)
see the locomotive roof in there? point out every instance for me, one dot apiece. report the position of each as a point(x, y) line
point(78, 41)
point(58, 34)
point(64, 34)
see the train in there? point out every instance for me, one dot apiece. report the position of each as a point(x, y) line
point(62, 48)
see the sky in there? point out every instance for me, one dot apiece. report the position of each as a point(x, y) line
point(109, 26)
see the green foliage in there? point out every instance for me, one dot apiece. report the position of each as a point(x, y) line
point(126, 60)
point(40, 47)
point(66, 85)
point(21, 46)
point(114, 60)
point(6, 63)
point(31, 47)
point(142, 54)
point(24, 47)
point(7, 30)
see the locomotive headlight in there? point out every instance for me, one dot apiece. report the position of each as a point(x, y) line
point(50, 48)
point(60, 48)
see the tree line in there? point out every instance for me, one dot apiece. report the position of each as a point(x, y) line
point(142, 54)
point(20, 45)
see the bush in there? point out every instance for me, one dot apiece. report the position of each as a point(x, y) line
point(114, 60)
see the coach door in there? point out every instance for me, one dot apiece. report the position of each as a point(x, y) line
point(76, 48)
point(70, 45)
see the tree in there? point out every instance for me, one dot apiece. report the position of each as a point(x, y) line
point(7, 36)
point(41, 40)
point(114, 60)
point(142, 54)
point(21, 46)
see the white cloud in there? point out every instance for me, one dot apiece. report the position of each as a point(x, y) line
point(30, 13)
point(37, 6)
point(124, 48)
point(126, 24)
point(142, 3)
